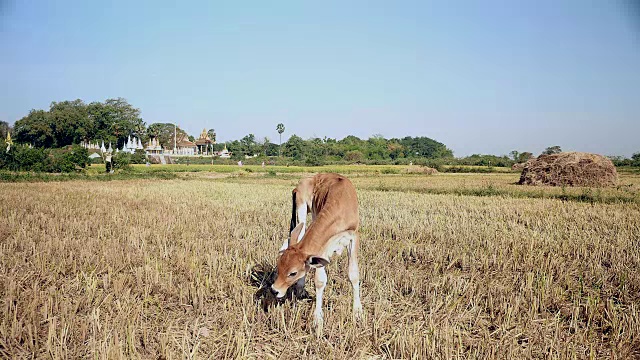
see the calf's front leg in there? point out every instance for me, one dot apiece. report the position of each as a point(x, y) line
point(320, 281)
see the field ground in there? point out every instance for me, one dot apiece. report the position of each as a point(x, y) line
point(452, 266)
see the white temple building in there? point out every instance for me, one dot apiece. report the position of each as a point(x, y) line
point(132, 144)
point(90, 145)
point(185, 147)
point(224, 153)
point(154, 147)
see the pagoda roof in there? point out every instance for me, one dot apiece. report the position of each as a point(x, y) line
point(185, 143)
point(203, 141)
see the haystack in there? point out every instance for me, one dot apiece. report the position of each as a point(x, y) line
point(421, 170)
point(569, 169)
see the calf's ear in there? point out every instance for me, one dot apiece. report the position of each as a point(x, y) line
point(317, 261)
point(295, 233)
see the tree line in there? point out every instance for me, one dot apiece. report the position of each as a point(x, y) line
point(114, 120)
point(350, 148)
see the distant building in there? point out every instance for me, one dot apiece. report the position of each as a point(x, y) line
point(186, 147)
point(204, 143)
point(132, 144)
point(224, 153)
point(202, 146)
point(90, 145)
point(154, 147)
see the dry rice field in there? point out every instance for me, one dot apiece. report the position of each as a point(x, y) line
point(169, 268)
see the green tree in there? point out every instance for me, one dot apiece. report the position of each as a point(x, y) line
point(314, 151)
point(23, 158)
point(552, 150)
point(69, 121)
point(333, 148)
point(121, 161)
point(280, 129)
point(486, 160)
point(377, 148)
point(294, 147)
point(236, 148)
point(126, 118)
point(352, 141)
point(354, 156)
point(395, 150)
point(139, 156)
point(114, 121)
point(264, 145)
point(68, 159)
point(100, 120)
point(425, 147)
point(35, 129)
point(164, 132)
point(524, 157)
point(272, 149)
point(212, 135)
point(248, 144)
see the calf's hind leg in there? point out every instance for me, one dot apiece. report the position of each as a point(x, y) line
point(354, 276)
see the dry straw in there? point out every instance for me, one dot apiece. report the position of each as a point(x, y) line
point(570, 169)
point(421, 170)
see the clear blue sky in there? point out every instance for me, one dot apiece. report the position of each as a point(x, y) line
point(480, 76)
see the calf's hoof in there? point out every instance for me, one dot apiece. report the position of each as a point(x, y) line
point(318, 325)
point(358, 313)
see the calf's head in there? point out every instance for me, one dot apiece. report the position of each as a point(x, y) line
point(293, 264)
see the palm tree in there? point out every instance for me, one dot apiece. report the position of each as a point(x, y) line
point(212, 136)
point(280, 129)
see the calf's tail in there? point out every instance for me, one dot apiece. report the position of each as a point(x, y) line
point(294, 217)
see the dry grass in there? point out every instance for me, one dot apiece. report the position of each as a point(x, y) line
point(502, 185)
point(628, 190)
point(154, 269)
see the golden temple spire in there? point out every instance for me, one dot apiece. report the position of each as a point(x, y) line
point(204, 135)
